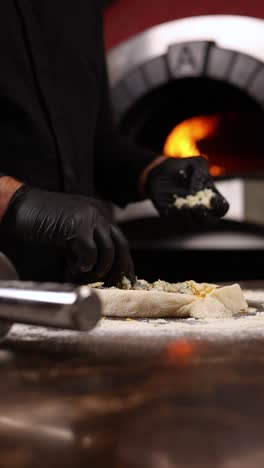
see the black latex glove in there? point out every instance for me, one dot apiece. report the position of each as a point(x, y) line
point(94, 247)
point(182, 177)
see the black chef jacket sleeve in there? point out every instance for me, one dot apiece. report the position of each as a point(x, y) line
point(118, 160)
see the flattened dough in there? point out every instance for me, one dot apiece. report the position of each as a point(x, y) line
point(219, 302)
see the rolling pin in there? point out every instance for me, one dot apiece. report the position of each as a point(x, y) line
point(52, 305)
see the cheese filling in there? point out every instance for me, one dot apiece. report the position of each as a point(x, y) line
point(203, 197)
point(186, 287)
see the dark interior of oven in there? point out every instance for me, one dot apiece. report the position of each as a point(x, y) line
point(153, 117)
point(239, 145)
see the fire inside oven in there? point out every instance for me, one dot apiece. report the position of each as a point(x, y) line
point(230, 141)
point(199, 116)
point(198, 99)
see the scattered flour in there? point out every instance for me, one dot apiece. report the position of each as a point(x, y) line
point(122, 338)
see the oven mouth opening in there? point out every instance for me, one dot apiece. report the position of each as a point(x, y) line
point(163, 78)
point(201, 116)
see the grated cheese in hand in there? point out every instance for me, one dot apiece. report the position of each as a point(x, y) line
point(203, 197)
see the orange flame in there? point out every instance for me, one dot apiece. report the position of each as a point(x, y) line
point(182, 141)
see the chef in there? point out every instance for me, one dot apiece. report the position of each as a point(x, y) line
point(61, 157)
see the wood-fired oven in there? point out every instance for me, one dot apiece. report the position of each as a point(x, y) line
point(188, 87)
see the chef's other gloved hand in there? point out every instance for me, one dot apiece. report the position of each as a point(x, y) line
point(180, 177)
point(74, 224)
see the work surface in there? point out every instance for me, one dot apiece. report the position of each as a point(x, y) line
point(184, 399)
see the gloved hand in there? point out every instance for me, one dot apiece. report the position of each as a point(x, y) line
point(181, 177)
point(75, 224)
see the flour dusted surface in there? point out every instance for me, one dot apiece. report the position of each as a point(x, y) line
point(127, 338)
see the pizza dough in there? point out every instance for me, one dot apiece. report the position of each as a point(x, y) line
point(188, 299)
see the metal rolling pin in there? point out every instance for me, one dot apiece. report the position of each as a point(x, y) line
point(45, 304)
point(49, 305)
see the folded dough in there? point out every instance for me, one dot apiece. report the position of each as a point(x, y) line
point(202, 300)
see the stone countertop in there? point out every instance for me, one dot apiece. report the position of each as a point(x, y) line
point(177, 401)
point(194, 405)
